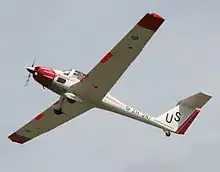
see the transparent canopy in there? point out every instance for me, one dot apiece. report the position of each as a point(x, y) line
point(76, 73)
point(79, 74)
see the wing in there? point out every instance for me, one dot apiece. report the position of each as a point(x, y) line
point(98, 82)
point(48, 120)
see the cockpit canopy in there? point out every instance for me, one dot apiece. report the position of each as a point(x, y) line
point(79, 75)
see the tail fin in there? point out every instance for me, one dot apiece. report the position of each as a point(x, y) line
point(179, 118)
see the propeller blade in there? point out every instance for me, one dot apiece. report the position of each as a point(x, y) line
point(28, 79)
point(33, 62)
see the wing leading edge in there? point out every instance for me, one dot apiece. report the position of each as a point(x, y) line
point(98, 82)
point(48, 120)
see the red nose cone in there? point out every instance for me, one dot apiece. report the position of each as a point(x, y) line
point(44, 75)
point(46, 72)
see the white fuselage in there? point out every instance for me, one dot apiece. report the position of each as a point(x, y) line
point(108, 103)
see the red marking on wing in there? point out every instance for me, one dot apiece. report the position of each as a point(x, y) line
point(151, 21)
point(84, 78)
point(38, 117)
point(17, 138)
point(56, 102)
point(182, 129)
point(106, 58)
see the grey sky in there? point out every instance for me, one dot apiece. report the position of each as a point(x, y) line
point(180, 60)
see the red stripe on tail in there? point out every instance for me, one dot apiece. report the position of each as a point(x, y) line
point(182, 129)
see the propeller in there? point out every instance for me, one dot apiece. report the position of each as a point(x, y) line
point(30, 70)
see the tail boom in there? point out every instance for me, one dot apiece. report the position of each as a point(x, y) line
point(176, 120)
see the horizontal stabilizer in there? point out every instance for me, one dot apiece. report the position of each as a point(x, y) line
point(195, 101)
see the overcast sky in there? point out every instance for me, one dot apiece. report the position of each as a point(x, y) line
point(180, 60)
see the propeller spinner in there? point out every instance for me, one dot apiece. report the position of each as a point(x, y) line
point(31, 71)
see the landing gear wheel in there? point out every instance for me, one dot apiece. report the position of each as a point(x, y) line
point(167, 133)
point(58, 111)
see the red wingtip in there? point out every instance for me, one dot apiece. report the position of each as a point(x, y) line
point(182, 129)
point(156, 15)
point(151, 21)
point(17, 138)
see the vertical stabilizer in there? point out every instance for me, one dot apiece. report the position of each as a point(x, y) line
point(179, 118)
